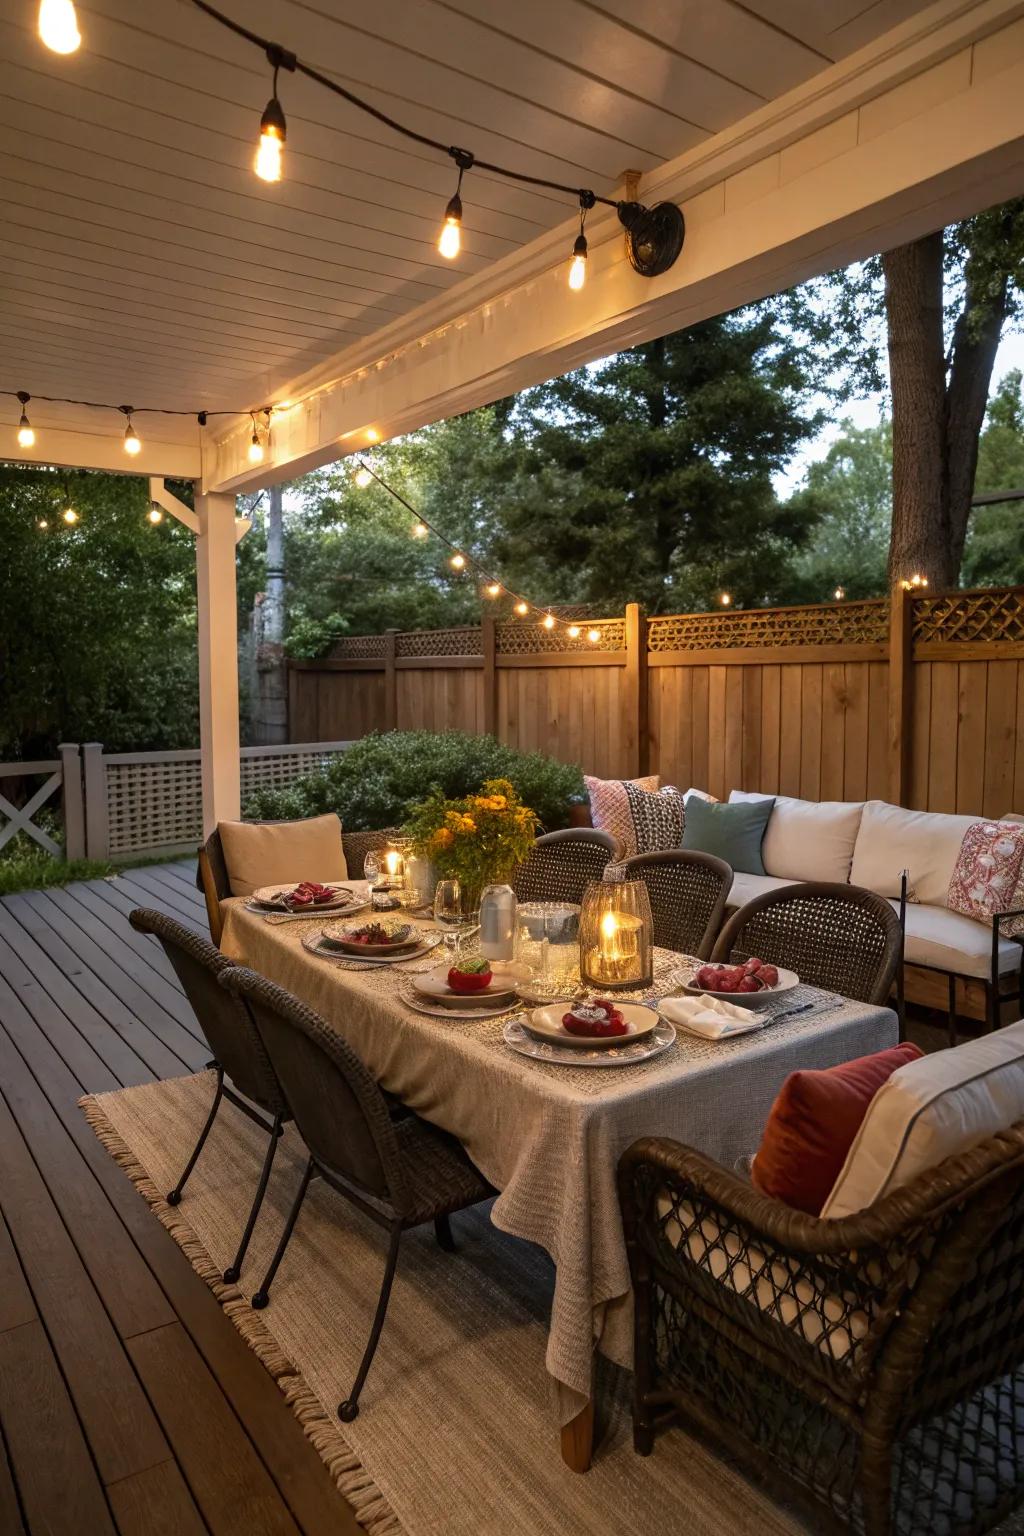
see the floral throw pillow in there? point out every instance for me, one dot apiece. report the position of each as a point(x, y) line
point(643, 817)
point(989, 873)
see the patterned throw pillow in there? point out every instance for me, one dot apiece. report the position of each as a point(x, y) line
point(989, 873)
point(643, 817)
point(609, 807)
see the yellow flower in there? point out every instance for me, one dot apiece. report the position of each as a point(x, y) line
point(442, 838)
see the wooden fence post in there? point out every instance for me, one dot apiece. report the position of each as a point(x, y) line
point(489, 636)
point(901, 694)
point(637, 735)
point(390, 681)
point(97, 826)
point(74, 804)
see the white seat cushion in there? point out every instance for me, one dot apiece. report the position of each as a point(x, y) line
point(929, 1110)
point(808, 839)
point(948, 941)
point(746, 887)
point(925, 843)
point(258, 853)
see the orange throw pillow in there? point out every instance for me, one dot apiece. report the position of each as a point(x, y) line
point(813, 1123)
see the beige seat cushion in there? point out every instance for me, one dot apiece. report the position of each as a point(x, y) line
point(808, 839)
point(745, 887)
point(948, 941)
point(931, 1109)
point(925, 843)
point(283, 852)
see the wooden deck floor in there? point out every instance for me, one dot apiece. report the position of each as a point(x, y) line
point(128, 1402)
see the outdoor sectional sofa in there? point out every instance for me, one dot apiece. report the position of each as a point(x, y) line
point(951, 961)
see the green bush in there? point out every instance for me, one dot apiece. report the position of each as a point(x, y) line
point(379, 778)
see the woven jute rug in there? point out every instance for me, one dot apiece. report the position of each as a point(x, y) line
point(456, 1432)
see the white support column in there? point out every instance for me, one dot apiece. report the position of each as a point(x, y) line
point(218, 659)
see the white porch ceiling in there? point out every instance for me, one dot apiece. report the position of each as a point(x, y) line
point(141, 261)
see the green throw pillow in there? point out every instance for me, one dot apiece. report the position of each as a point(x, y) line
point(730, 832)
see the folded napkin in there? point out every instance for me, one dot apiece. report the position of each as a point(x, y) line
point(711, 1017)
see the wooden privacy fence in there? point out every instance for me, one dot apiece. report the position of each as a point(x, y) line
point(915, 699)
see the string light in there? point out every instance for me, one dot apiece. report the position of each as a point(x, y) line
point(839, 594)
point(42, 523)
point(58, 25)
point(457, 562)
point(493, 589)
point(131, 437)
point(915, 582)
point(255, 446)
point(155, 515)
point(725, 599)
point(273, 128)
point(548, 621)
point(420, 530)
point(578, 265)
point(522, 609)
point(450, 239)
point(573, 631)
point(70, 516)
point(363, 478)
point(372, 435)
point(26, 436)
point(593, 635)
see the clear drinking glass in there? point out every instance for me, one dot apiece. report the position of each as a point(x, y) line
point(450, 915)
point(371, 867)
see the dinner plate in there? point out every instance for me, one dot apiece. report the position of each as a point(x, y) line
point(518, 1038)
point(786, 982)
point(336, 937)
point(546, 1024)
point(271, 897)
point(433, 985)
point(412, 999)
point(313, 942)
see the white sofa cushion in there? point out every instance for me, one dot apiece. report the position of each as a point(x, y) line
point(745, 887)
point(929, 1110)
point(948, 941)
point(808, 839)
point(925, 843)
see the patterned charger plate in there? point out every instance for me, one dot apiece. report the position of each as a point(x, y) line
point(518, 1037)
point(419, 1004)
point(312, 942)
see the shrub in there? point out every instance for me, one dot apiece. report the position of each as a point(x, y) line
point(378, 780)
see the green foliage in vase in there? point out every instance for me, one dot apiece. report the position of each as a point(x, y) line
point(379, 779)
point(475, 839)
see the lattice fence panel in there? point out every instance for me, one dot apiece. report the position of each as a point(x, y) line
point(970, 616)
point(154, 804)
point(275, 770)
point(360, 647)
point(440, 642)
point(532, 639)
point(864, 623)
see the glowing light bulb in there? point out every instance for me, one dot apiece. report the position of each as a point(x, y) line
point(363, 478)
point(578, 265)
point(131, 440)
point(58, 25)
point(522, 609)
point(26, 436)
point(70, 516)
point(548, 621)
point(493, 589)
point(457, 562)
point(372, 435)
point(155, 515)
point(255, 448)
point(839, 594)
point(42, 523)
point(420, 530)
point(450, 242)
point(573, 631)
point(725, 599)
point(593, 635)
point(273, 132)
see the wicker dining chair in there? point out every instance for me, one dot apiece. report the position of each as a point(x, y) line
point(839, 937)
point(688, 892)
point(399, 1173)
point(238, 1053)
point(561, 865)
point(870, 1368)
point(213, 879)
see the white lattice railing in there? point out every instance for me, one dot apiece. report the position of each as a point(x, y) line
point(144, 802)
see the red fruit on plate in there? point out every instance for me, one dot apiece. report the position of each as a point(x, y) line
point(751, 965)
point(749, 984)
point(471, 977)
point(769, 974)
point(727, 982)
point(713, 982)
point(595, 1020)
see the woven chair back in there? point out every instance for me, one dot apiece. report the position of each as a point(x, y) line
point(688, 892)
point(562, 864)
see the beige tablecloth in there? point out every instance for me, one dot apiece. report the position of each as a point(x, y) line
point(549, 1137)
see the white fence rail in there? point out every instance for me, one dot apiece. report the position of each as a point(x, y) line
point(120, 804)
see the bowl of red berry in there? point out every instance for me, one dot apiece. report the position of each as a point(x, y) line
point(745, 983)
point(592, 1021)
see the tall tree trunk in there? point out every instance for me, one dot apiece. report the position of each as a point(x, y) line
point(921, 531)
point(272, 709)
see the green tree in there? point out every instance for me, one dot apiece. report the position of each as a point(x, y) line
point(849, 491)
point(97, 620)
point(994, 555)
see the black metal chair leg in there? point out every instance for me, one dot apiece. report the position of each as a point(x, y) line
point(262, 1296)
point(443, 1233)
point(174, 1195)
point(349, 1409)
point(233, 1271)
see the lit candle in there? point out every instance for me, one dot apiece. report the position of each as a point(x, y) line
point(394, 863)
point(616, 957)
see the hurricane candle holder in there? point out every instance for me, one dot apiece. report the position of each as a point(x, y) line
point(616, 931)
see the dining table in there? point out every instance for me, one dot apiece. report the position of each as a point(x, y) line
point(548, 1134)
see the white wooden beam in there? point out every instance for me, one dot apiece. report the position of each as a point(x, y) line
point(159, 493)
point(920, 129)
point(218, 660)
point(93, 450)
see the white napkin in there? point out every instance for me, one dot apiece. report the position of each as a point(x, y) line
point(711, 1017)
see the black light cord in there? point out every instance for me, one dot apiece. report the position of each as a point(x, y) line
point(284, 58)
point(134, 410)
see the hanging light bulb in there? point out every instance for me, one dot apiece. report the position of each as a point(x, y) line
point(573, 631)
point(58, 25)
point(420, 530)
point(578, 265)
point(273, 128)
point(522, 609)
point(450, 240)
point(725, 599)
point(493, 589)
point(548, 621)
point(457, 562)
point(363, 477)
point(131, 437)
point(255, 446)
point(372, 435)
point(155, 515)
point(839, 594)
point(70, 516)
point(42, 523)
point(26, 436)
point(593, 635)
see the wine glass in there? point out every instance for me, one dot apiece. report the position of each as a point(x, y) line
point(449, 914)
point(371, 867)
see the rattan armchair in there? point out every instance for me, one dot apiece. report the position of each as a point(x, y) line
point(839, 937)
point(400, 1173)
point(870, 1368)
point(562, 864)
point(688, 892)
point(213, 880)
point(238, 1053)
